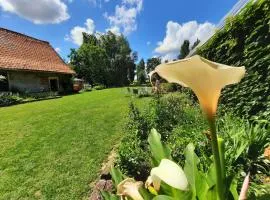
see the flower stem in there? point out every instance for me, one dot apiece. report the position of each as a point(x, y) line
point(215, 150)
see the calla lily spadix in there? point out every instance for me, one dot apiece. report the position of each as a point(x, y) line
point(168, 172)
point(204, 77)
point(129, 187)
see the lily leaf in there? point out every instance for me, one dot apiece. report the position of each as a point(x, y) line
point(117, 176)
point(195, 178)
point(163, 197)
point(158, 150)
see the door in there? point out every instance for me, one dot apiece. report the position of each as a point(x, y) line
point(53, 84)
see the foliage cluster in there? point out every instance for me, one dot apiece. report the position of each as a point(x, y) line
point(180, 122)
point(106, 59)
point(245, 41)
point(7, 100)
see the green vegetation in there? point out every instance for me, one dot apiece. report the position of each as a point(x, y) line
point(245, 41)
point(140, 72)
point(53, 149)
point(179, 121)
point(105, 60)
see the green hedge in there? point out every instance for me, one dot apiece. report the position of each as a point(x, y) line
point(245, 41)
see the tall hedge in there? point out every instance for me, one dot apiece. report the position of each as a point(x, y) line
point(245, 41)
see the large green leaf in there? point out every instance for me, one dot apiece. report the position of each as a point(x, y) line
point(158, 150)
point(108, 196)
point(196, 179)
point(117, 176)
point(163, 197)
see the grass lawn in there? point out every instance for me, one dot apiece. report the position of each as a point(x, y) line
point(53, 149)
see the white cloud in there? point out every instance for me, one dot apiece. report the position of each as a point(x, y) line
point(148, 43)
point(76, 33)
point(177, 33)
point(39, 12)
point(125, 15)
point(114, 29)
point(57, 49)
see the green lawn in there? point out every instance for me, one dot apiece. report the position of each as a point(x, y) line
point(53, 149)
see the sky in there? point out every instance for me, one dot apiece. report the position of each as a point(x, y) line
point(153, 27)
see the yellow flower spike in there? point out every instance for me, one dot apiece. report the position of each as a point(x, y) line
point(168, 172)
point(129, 187)
point(204, 77)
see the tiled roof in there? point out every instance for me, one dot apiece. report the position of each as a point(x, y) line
point(21, 52)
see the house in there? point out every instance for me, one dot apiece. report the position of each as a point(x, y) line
point(31, 65)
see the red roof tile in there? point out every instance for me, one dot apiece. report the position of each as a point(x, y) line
point(21, 52)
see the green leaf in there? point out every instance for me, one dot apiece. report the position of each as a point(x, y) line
point(163, 197)
point(108, 196)
point(117, 176)
point(158, 150)
point(233, 189)
point(196, 179)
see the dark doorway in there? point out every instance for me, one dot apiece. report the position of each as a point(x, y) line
point(3, 81)
point(54, 85)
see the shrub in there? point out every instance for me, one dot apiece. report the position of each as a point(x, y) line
point(99, 87)
point(168, 87)
point(169, 111)
point(7, 100)
point(133, 155)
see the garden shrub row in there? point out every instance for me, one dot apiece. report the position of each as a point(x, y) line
point(245, 41)
point(179, 121)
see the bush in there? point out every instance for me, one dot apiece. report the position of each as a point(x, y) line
point(133, 155)
point(7, 100)
point(99, 87)
point(168, 87)
point(180, 122)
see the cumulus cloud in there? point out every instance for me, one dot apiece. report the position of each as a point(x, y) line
point(39, 12)
point(76, 33)
point(125, 15)
point(177, 33)
point(114, 29)
point(57, 49)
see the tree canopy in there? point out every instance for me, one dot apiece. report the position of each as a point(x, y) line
point(140, 72)
point(184, 50)
point(104, 59)
point(152, 63)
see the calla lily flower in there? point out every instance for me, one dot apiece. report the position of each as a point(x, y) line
point(168, 172)
point(129, 187)
point(204, 77)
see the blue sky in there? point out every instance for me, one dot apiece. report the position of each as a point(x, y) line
point(153, 27)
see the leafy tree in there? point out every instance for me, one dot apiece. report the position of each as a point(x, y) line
point(195, 44)
point(184, 50)
point(106, 59)
point(92, 65)
point(141, 76)
point(152, 63)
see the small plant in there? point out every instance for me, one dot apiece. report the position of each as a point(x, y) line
point(7, 100)
point(99, 87)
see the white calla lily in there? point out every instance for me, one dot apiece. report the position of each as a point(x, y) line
point(129, 187)
point(168, 172)
point(204, 77)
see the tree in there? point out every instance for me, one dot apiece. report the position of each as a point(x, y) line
point(152, 63)
point(106, 59)
point(140, 72)
point(195, 44)
point(92, 65)
point(184, 50)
